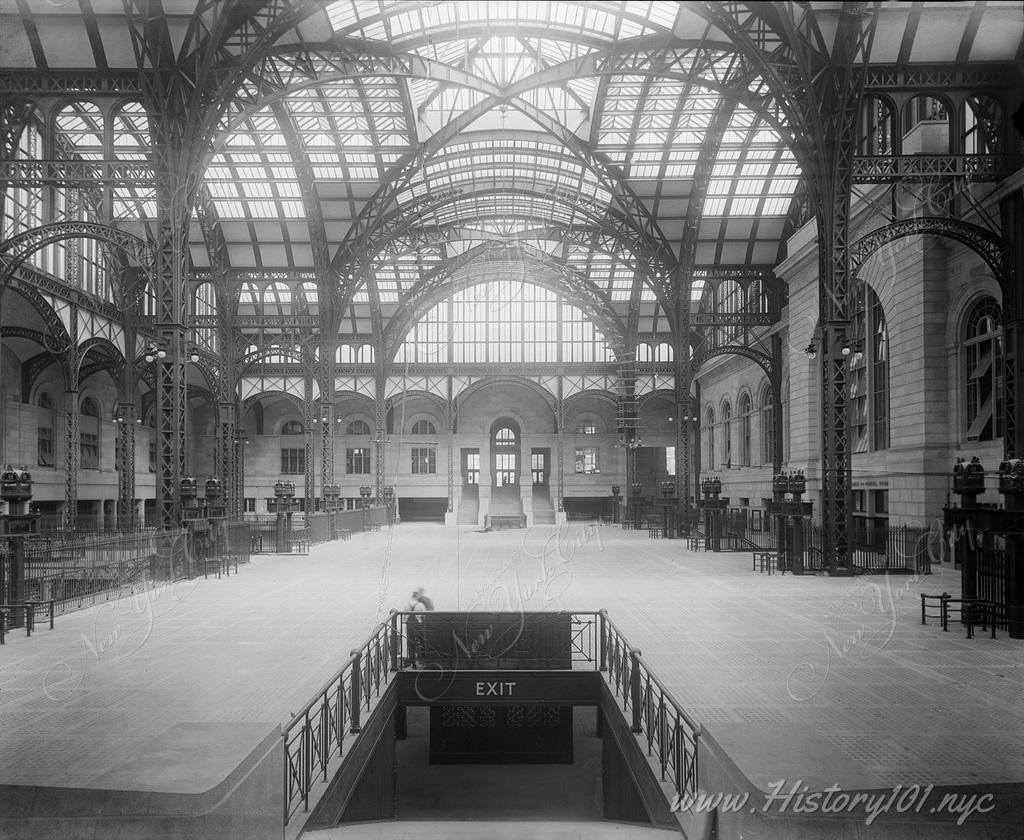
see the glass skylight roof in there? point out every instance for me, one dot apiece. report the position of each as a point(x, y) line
point(465, 123)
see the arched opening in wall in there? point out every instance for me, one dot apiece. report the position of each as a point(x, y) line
point(726, 434)
point(768, 430)
point(505, 445)
point(982, 371)
point(877, 127)
point(709, 437)
point(925, 126)
point(869, 374)
point(745, 423)
point(983, 122)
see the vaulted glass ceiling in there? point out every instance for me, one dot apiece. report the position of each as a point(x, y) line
point(397, 148)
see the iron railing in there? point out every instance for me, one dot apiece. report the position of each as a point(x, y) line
point(657, 716)
point(76, 570)
point(318, 734)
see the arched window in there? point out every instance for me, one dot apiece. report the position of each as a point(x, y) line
point(423, 427)
point(586, 427)
point(364, 354)
point(869, 374)
point(643, 352)
point(744, 413)
point(89, 434)
point(727, 434)
point(767, 426)
point(505, 436)
point(982, 353)
point(663, 352)
point(292, 427)
point(358, 427)
point(709, 431)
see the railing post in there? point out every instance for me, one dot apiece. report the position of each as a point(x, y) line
point(634, 689)
point(395, 640)
point(944, 608)
point(356, 697)
point(602, 640)
point(922, 608)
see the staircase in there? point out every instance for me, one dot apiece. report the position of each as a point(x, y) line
point(469, 506)
point(506, 509)
point(543, 510)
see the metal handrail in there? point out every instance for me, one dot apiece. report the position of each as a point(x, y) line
point(316, 735)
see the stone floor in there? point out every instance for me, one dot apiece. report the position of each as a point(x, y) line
point(839, 671)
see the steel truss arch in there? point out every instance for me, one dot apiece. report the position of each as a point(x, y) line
point(990, 247)
point(306, 73)
point(601, 226)
point(763, 360)
point(15, 250)
point(56, 338)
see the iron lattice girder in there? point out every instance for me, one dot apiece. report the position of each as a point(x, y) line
point(285, 70)
point(731, 319)
point(613, 227)
point(108, 84)
point(56, 337)
point(884, 169)
point(115, 174)
point(600, 238)
point(16, 249)
point(990, 247)
point(944, 77)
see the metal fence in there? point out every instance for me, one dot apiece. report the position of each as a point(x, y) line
point(76, 570)
point(316, 735)
point(898, 549)
point(657, 716)
point(326, 726)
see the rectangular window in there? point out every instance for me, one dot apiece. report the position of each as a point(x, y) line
point(357, 461)
point(250, 504)
point(587, 460)
point(472, 468)
point(45, 448)
point(293, 461)
point(424, 460)
point(152, 456)
point(90, 451)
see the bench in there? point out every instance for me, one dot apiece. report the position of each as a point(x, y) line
point(764, 561)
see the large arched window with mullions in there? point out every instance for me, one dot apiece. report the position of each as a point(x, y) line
point(504, 322)
point(982, 355)
point(869, 374)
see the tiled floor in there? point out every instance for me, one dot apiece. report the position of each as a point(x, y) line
point(845, 661)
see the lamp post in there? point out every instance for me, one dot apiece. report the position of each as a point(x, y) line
point(16, 524)
point(713, 507)
point(389, 503)
point(284, 504)
point(616, 492)
point(636, 489)
point(365, 491)
point(332, 500)
point(668, 503)
point(789, 516)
